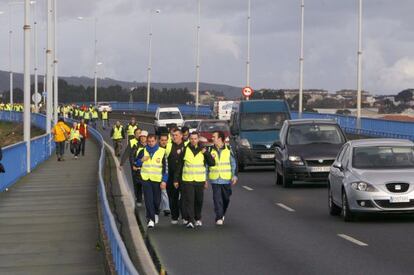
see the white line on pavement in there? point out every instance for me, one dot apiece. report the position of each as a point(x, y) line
point(352, 240)
point(287, 208)
point(248, 188)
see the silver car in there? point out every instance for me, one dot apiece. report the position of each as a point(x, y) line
point(372, 175)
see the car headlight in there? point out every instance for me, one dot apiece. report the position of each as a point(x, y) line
point(244, 143)
point(203, 139)
point(296, 160)
point(363, 186)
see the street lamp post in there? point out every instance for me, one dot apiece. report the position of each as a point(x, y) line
point(301, 59)
point(36, 83)
point(198, 57)
point(149, 68)
point(26, 111)
point(249, 20)
point(359, 69)
point(55, 65)
point(49, 80)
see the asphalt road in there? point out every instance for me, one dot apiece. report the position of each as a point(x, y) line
point(272, 230)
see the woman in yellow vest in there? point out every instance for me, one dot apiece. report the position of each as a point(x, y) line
point(75, 140)
point(222, 175)
point(154, 174)
point(193, 174)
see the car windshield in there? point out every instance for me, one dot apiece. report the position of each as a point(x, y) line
point(262, 121)
point(214, 126)
point(170, 115)
point(191, 124)
point(314, 133)
point(391, 157)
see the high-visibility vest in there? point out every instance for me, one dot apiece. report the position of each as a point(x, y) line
point(133, 142)
point(95, 115)
point(194, 168)
point(81, 113)
point(117, 132)
point(74, 134)
point(131, 129)
point(76, 112)
point(152, 168)
point(222, 169)
point(186, 142)
point(87, 115)
point(104, 115)
point(139, 151)
point(168, 148)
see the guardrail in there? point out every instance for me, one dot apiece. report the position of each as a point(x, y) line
point(14, 156)
point(120, 256)
point(369, 126)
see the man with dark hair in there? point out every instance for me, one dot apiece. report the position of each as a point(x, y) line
point(222, 175)
point(186, 135)
point(61, 133)
point(130, 128)
point(117, 135)
point(192, 174)
point(154, 173)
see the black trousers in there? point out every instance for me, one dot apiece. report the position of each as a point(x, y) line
point(75, 148)
point(221, 197)
point(137, 182)
point(60, 149)
point(82, 146)
point(192, 196)
point(152, 197)
point(174, 198)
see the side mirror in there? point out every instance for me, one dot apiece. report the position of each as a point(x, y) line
point(155, 118)
point(277, 144)
point(234, 132)
point(338, 165)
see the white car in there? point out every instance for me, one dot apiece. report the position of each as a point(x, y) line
point(192, 125)
point(103, 106)
point(168, 117)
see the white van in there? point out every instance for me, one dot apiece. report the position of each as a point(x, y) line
point(168, 117)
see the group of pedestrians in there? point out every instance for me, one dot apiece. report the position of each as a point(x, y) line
point(90, 114)
point(171, 173)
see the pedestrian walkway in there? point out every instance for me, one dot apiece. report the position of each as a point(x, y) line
point(49, 219)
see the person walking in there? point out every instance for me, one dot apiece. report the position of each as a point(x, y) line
point(87, 115)
point(95, 117)
point(75, 140)
point(84, 133)
point(193, 172)
point(222, 175)
point(60, 133)
point(105, 119)
point(117, 135)
point(154, 173)
point(165, 203)
point(174, 151)
point(137, 169)
point(130, 128)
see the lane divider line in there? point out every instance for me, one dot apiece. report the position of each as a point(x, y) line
point(248, 188)
point(287, 208)
point(352, 240)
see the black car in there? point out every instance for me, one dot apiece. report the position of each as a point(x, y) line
point(306, 150)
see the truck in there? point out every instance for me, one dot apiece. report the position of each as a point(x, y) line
point(255, 127)
point(223, 109)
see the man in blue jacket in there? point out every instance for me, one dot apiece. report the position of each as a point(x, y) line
point(222, 175)
point(154, 174)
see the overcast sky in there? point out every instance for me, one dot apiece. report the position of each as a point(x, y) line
point(330, 41)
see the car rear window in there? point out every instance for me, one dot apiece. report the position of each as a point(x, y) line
point(314, 133)
point(214, 126)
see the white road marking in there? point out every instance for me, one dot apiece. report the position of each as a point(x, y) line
point(248, 188)
point(352, 240)
point(287, 208)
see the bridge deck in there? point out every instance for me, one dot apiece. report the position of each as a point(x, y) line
point(49, 222)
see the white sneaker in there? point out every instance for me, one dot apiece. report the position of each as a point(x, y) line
point(198, 223)
point(185, 222)
point(190, 225)
point(219, 222)
point(174, 222)
point(150, 224)
point(157, 219)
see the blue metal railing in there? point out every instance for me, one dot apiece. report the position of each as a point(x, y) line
point(14, 156)
point(120, 257)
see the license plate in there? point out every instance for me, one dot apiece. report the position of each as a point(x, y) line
point(399, 199)
point(269, 156)
point(320, 169)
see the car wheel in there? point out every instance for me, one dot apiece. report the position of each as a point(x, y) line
point(346, 213)
point(334, 210)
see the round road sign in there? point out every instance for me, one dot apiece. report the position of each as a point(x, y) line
point(247, 91)
point(37, 98)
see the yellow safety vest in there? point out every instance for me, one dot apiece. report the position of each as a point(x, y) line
point(105, 115)
point(81, 113)
point(87, 115)
point(74, 134)
point(222, 169)
point(133, 142)
point(186, 142)
point(152, 168)
point(95, 115)
point(194, 168)
point(168, 148)
point(139, 151)
point(117, 132)
point(131, 129)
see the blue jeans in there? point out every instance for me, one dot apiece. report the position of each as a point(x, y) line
point(152, 198)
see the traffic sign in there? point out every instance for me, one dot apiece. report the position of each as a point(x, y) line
point(247, 92)
point(37, 98)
